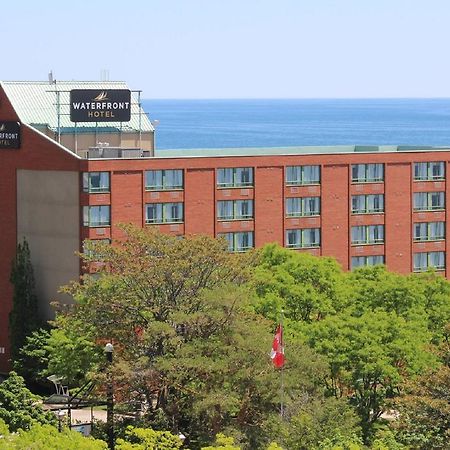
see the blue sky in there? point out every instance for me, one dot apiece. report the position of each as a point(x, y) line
point(234, 48)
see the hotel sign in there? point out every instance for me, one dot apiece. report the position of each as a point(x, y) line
point(9, 134)
point(100, 105)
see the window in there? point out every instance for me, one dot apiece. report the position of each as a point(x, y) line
point(303, 238)
point(367, 173)
point(96, 182)
point(160, 180)
point(235, 177)
point(427, 260)
point(363, 204)
point(163, 212)
point(361, 261)
point(234, 209)
point(428, 171)
point(302, 206)
point(96, 216)
point(238, 242)
point(426, 201)
point(429, 231)
point(368, 234)
point(302, 175)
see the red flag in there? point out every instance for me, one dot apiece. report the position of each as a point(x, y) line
point(277, 353)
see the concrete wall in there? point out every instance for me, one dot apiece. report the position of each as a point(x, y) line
point(48, 217)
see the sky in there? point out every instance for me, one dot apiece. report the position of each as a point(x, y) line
point(234, 48)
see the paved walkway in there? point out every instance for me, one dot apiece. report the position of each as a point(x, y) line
point(84, 415)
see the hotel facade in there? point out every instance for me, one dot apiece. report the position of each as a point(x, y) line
point(66, 179)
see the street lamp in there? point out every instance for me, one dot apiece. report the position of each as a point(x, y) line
point(60, 414)
point(109, 348)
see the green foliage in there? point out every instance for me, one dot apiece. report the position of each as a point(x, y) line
point(375, 328)
point(274, 446)
point(73, 354)
point(424, 411)
point(65, 351)
point(386, 440)
point(227, 380)
point(24, 317)
point(32, 361)
point(222, 442)
point(4, 430)
point(187, 341)
point(146, 438)
point(191, 346)
point(424, 297)
point(306, 287)
point(308, 421)
point(46, 437)
point(369, 356)
point(338, 442)
point(19, 408)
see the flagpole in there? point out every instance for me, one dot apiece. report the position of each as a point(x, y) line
point(278, 359)
point(282, 369)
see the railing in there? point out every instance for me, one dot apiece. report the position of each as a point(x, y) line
point(114, 153)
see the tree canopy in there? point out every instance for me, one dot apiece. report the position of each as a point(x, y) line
point(19, 408)
point(188, 343)
point(192, 327)
point(24, 315)
point(375, 328)
point(47, 437)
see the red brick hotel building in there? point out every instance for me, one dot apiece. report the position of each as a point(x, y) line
point(63, 181)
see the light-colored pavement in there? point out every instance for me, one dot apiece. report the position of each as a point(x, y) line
point(84, 415)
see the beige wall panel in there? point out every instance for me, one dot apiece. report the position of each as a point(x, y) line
point(48, 217)
point(124, 140)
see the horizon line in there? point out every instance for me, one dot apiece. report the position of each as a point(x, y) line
point(296, 98)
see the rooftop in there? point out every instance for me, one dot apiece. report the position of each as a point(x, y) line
point(36, 104)
point(304, 150)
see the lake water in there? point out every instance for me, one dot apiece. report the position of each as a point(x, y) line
point(279, 123)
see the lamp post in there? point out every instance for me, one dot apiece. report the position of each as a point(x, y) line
point(60, 415)
point(109, 397)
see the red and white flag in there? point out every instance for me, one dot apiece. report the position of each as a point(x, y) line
point(277, 353)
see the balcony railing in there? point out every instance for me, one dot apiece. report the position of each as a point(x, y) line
point(114, 153)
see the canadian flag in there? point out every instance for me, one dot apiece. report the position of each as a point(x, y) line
point(277, 353)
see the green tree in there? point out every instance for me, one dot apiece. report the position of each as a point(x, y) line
point(4, 430)
point(187, 341)
point(375, 328)
point(46, 437)
point(339, 442)
point(424, 408)
point(32, 361)
point(65, 350)
point(306, 287)
point(19, 408)
point(369, 357)
point(313, 421)
point(73, 354)
point(222, 442)
point(274, 446)
point(24, 317)
point(146, 438)
point(226, 381)
point(424, 297)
